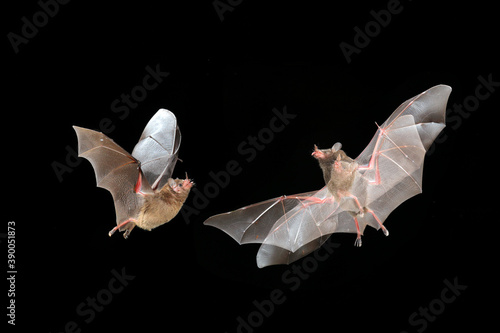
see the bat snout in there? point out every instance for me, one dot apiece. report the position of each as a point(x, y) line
point(187, 184)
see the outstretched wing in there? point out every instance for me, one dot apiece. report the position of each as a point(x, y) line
point(391, 165)
point(158, 147)
point(252, 224)
point(306, 227)
point(115, 170)
point(390, 172)
point(289, 227)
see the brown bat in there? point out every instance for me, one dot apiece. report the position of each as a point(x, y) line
point(358, 192)
point(143, 192)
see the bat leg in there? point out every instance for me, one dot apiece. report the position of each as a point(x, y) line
point(361, 209)
point(384, 229)
point(128, 230)
point(357, 242)
point(361, 213)
point(129, 227)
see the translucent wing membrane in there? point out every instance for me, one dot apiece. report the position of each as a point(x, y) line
point(128, 176)
point(251, 224)
point(389, 172)
point(392, 164)
point(275, 255)
point(288, 227)
point(158, 147)
point(311, 217)
point(428, 110)
point(115, 170)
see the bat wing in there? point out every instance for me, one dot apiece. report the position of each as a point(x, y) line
point(251, 224)
point(390, 172)
point(115, 170)
point(306, 227)
point(391, 166)
point(158, 147)
point(288, 227)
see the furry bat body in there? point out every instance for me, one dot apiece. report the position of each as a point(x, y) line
point(358, 192)
point(140, 183)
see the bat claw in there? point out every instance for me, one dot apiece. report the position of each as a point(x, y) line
point(358, 242)
point(126, 233)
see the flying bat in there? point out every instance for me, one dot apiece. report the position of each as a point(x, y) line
point(357, 192)
point(143, 191)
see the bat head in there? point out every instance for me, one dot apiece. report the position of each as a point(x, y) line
point(180, 185)
point(326, 154)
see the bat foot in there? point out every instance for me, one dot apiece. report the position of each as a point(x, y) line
point(358, 241)
point(384, 229)
point(128, 228)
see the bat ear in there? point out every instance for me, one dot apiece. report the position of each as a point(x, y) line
point(337, 146)
point(172, 183)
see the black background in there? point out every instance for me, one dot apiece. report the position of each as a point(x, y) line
point(225, 78)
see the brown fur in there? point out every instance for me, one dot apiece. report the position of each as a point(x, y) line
point(338, 178)
point(162, 206)
point(326, 163)
point(342, 178)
